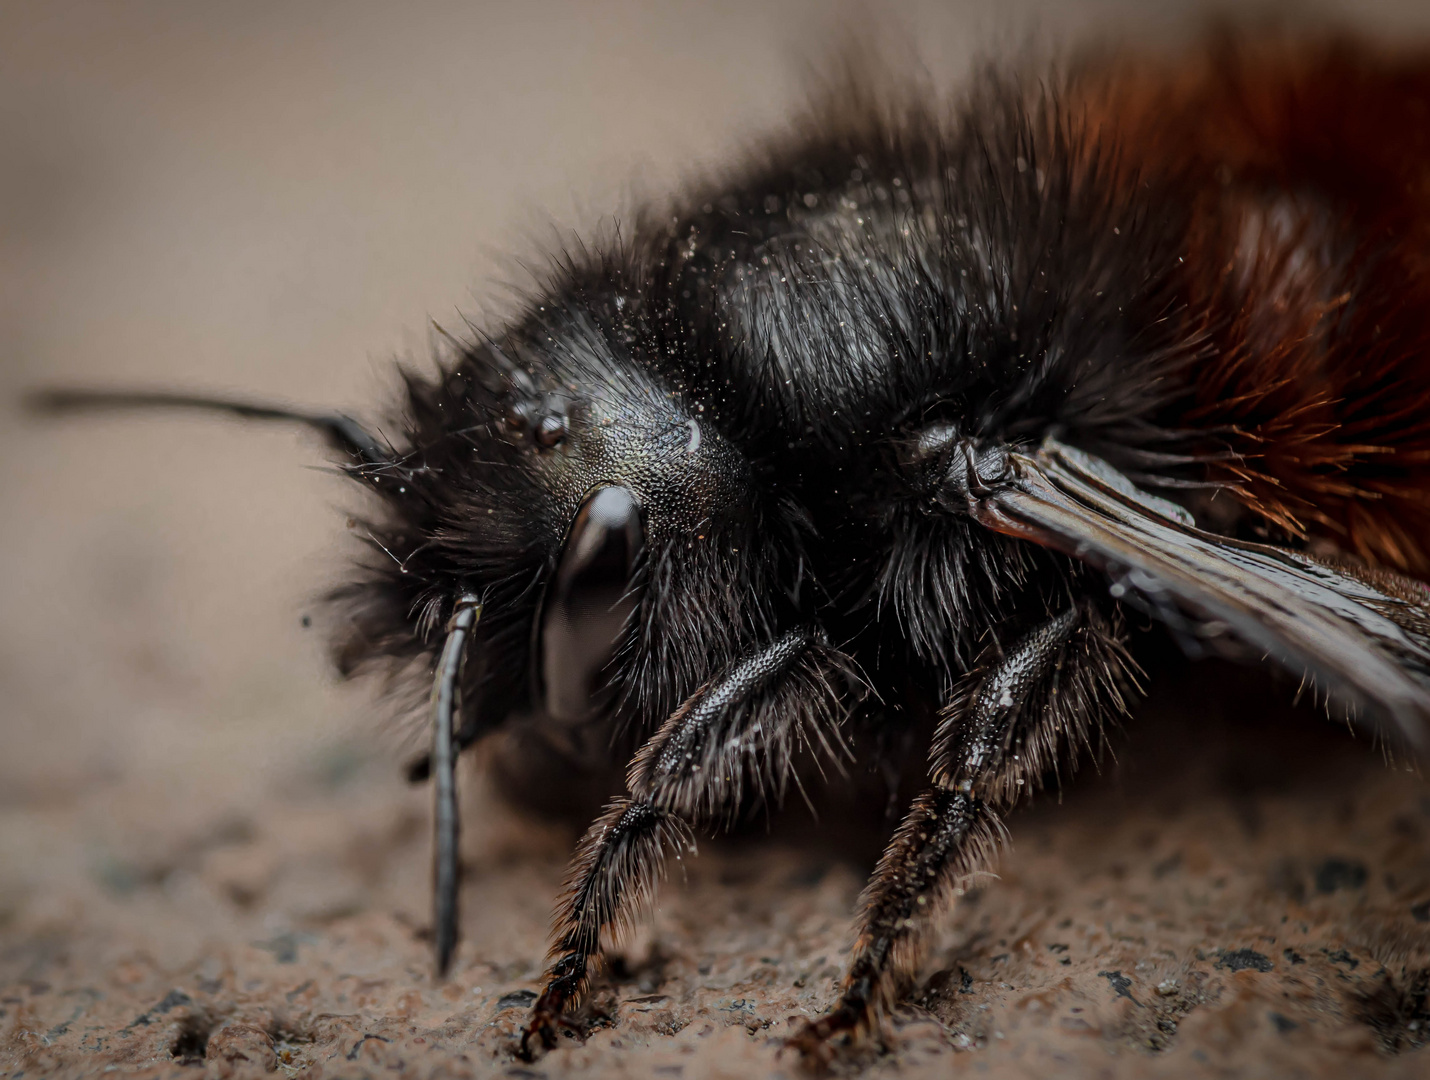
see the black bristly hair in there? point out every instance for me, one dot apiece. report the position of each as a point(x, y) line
point(1009, 277)
point(882, 416)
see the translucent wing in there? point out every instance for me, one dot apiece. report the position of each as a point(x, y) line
point(1363, 635)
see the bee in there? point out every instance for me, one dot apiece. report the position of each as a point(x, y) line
point(901, 418)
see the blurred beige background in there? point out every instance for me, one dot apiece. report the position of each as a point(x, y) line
point(276, 198)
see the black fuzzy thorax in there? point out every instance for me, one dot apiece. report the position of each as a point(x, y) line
point(1000, 272)
point(883, 271)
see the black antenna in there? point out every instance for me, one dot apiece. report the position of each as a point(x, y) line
point(446, 703)
point(343, 432)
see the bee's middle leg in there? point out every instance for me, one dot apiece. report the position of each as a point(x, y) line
point(1002, 729)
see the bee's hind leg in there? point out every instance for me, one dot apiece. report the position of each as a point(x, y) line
point(734, 737)
point(997, 736)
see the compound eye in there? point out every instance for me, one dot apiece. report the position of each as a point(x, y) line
point(588, 603)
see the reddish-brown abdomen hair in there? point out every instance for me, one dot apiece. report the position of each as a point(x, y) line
point(1307, 267)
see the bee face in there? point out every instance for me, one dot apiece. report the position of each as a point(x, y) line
point(616, 533)
point(625, 471)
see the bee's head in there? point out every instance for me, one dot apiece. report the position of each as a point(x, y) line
point(614, 532)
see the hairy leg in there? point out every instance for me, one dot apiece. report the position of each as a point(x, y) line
point(736, 735)
point(1004, 727)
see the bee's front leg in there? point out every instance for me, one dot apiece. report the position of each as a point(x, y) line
point(734, 737)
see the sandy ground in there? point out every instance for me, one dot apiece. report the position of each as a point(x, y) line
point(1244, 893)
point(208, 862)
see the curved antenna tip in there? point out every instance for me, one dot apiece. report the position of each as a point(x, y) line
point(446, 703)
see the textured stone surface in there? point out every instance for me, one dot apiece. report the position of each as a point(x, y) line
point(1233, 898)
